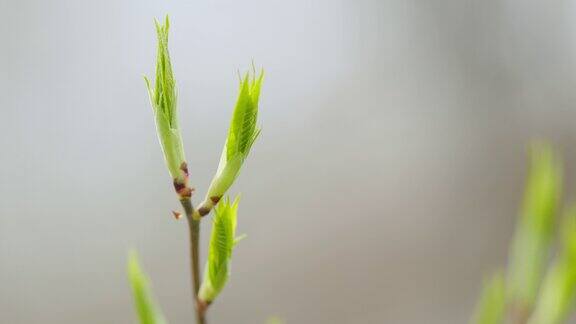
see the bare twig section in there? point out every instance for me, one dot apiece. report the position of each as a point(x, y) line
point(194, 230)
point(202, 308)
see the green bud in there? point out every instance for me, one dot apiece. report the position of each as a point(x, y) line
point(164, 103)
point(148, 311)
point(490, 309)
point(222, 242)
point(531, 243)
point(241, 135)
point(558, 292)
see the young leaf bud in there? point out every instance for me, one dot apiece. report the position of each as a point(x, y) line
point(241, 135)
point(163, 98)
point(222, 242)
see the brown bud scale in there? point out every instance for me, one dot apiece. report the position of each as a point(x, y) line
point(176, 214)
point(186, 192)
point(182, 190)
point(184, 168)
point(178, 186)
point(202, 305)
point(203, 210)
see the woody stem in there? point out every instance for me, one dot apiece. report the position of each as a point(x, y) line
point(194, 230)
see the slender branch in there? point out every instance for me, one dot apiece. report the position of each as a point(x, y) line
point(194, 230)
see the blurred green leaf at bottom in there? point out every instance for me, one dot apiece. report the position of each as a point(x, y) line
point(490, 309)
point(274, 320)
point(148, 311)
point(557, 297)
point(535, 229)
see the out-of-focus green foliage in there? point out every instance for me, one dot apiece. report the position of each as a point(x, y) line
point(148, 311)
point(530, 294)
point(534, 232)
point(558, 289)
point(222, 242)
point(242, 133)
point(164, 103)
point(492, 304)
point(274, 320)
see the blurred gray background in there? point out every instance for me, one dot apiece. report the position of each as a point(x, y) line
point(383, 188)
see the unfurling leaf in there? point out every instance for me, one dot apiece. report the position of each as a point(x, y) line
point(164, 103)
point(222, 242)
point(243, 130)
point(242, 133)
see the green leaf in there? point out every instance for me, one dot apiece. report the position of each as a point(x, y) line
point(148, 311)
point(531, 243)
point(222, 242)
point(558, 292)
point(163, 97)
point(490, 309)
point(243, 131)
point(241, 136)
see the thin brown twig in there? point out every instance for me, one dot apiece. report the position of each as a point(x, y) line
point(194, 230)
